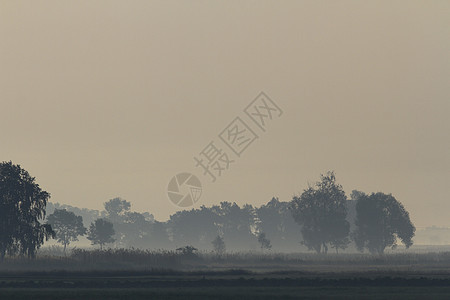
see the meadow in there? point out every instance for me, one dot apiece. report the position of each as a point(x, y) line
point(162, 274)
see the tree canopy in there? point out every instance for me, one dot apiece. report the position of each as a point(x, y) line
point(101, 232)
point(380, 220)
point(321, 212)
point(67, 226)
point(264, 241)
point(22, 206)
point(219, 245)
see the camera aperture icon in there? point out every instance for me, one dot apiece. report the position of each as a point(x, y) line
point(184, 189)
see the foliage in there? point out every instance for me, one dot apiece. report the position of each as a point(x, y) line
point(380, 220)
point(117, 208)
point(219, 245)
point(67, 226)
point(321, 213)
point(131, 228)
point(237, 225)
point(101, 232)
point(276, 221)
point(187, 250)
point(264, 242)
point(88, 215)
point(22, 206)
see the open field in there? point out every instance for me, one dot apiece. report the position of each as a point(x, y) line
point(146, 260)
point(136, 274)
point(223, 285)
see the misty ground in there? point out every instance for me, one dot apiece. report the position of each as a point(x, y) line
point(145, 274)
point(225, 286)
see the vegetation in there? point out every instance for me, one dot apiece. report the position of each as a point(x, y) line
point(187, 250)
point(67, 226)
point(22, 206)
point(264, 242)
point(101, 232)
point(321, 212)
point(380, 220)
point(219, 245)
point(317, 218)
point(48, 259)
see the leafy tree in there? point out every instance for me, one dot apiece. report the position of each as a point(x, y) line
point(88, 215)
point(22, 206)
point(159, 236)
point(131, 228)
point(276, 221)
point(380, 220)
point(321, 212)
point(341, 243)
point(219, 245)
point(195, 226)
point(117, 208)
point(101, 232)
point(135, 230)
point(264, 242)
point(237, 224)
point(67, 226)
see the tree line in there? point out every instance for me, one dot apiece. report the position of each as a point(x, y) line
point(320, 218)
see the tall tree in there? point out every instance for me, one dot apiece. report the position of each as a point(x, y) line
point(101, 232)
point(134, 231)
point(196, 227)
point(219, 245)
point(159, 235)
point(117, 208)
point(321, 212)
point(264, 241)
point(237, 224)
point(22, 206)
point(380, 220)
point(276, 221)
point(67, 226)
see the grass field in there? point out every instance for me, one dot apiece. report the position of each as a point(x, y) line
point(136, 274)
point(223, 285)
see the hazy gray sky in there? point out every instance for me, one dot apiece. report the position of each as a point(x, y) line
point(112, 98)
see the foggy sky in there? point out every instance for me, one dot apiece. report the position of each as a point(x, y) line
point(101, 99)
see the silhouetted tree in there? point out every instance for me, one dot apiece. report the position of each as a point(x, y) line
point(264, 242)
point(101, 232)
point(131, 228)
point(380, 220)
point(116, 209)
point(321, 213)
point(159, 236)
point(135, 230)
point(237, 225)
point(219, 245)
point(196, 226)
point(340, 243)
point(276, 221)
point(88, 215)
point(67, 226)
point(22, 205)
